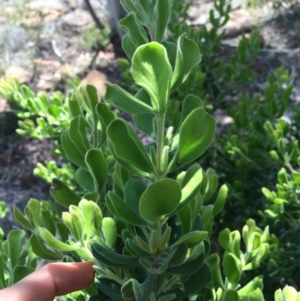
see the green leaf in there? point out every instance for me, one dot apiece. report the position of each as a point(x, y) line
point(250, 287)
point(63, 194)
point(127, 146)
point(195, 135)
point(97, 166)
point(188, 56)
point(257, 295)
point(194, 283)
point(171, 50)
point(78, 221)
point(54, 243)
point(145, 121)
point(35, 209)
point(220, 201)
point(163, 9)
point(160, 198)
point(22, 219)
point(84, 179)
point(231, 268)
point(122, 210)
point(48, 221)
point(190, 185)
point(74, 106)
point(135, 249)
point(190, 103)
point(77, 134)
point(185, 216)
point(140, 292)
point(134, 30)
point(214, 264)
point(109, 230)
point(39, 248)
point(118, 259)
point(180, 254)
point(188, 267)
point(14, 245)
point(152, 71)
point(133, 190)
point(109, 287)
point(230, 295)
point(192, 239)
point(21, 272)
point(71, 151)
point(88, 213)
point(105, 117)
point(125, 101)
point(128, 46)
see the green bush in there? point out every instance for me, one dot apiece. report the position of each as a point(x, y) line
point(150, 216)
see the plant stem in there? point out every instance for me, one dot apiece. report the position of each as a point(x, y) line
point(160, 144)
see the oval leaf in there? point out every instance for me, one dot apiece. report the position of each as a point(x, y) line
point(160, 198)
point(151, 70)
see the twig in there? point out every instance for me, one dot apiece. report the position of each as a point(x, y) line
point(94, 16)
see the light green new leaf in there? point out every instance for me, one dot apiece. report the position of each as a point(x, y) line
point(231, 268)
point(97, 166)
point(160, 198)
point(109, 230)
point(224, 239)
point(39, 248)
point(195, 135)
point(35, 210)
point(192, 239)
point(125, 101)
point(190, 185)
point(220, 201)
point(152, 71)
point(257, 295)
point(88, 214)
point(188, 56)
point(78, 221)
point(230, 295)
point(250, 287)
point(127, 146)
point(54, 243)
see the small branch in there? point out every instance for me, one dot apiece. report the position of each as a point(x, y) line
point(94, 16)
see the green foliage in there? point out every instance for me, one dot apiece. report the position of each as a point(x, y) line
point(16, 257)
point(145, 213)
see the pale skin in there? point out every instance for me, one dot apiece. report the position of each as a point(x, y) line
point(54, 279)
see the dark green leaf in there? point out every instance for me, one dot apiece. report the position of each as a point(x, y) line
point(63, 194)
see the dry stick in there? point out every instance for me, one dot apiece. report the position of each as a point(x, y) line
point(94, 16)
